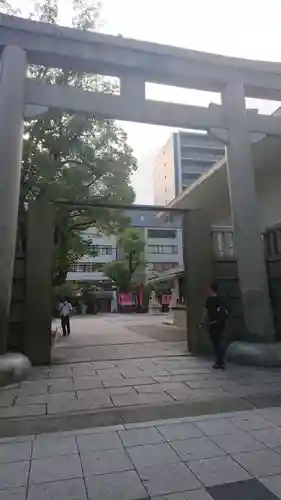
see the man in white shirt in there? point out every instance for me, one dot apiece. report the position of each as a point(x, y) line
point(65, 309)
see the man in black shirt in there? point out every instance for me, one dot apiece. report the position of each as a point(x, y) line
point(216, 314)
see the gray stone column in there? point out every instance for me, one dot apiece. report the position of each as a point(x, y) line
point(198, 273)
point(12, 83)
point(246, 220)
point(38, 286)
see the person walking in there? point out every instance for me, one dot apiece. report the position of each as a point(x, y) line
point(65, 309)
point(216, 315)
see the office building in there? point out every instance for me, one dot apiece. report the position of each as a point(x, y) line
point(163, 248)
point(181, 161)
point(163, 240)
point(89, 268)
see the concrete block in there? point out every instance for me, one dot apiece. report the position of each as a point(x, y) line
point(14, 367)
point(46, 470)
point(125, 485)
point(260, 463)
point(219, 470)
point(71, 489)
point(255, 354)
point(151, 455)
point(168, 478)
point(13, 494)
point(104, 462)
point(13, 475)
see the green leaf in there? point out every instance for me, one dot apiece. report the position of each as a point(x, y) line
point(128, 270)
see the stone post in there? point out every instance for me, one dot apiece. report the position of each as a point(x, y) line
point(39, 274)
point(12, 86)
point(175, 293)
point(198, 271)
point(246, 221)
point(174, 300)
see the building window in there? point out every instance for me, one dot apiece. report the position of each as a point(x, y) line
point(162, 233)
point(166, 249)
point(163, 266)
point(103, 249)
point(191, 177)
point(86, 267)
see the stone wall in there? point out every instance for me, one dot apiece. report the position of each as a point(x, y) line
point(225, 274)
point(272, 239)
point(31, 304)
point(274, 273)
point(17, 311)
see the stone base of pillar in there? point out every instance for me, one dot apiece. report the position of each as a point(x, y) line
point(180, 318)
point(254, 354)
point(14, 367)
point(154, 310)
point(177, 317)
point(169, 320)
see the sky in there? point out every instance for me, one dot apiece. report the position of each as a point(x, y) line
point(240, 28)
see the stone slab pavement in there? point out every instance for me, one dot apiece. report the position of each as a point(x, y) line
point(115, 369)
point(112, 336)
point(212, 457)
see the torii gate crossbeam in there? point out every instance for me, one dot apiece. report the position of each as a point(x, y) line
point(68, 48)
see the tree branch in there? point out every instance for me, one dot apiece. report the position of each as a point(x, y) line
point(75, 162)
point(82, 225)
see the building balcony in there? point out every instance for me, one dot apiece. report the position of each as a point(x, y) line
point(96, 276)
point(190, 158)
point(201, 148)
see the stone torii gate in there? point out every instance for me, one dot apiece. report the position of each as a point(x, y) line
point(26, 42)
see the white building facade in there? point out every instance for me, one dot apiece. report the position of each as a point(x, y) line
point(163, 248)
point(90, 268)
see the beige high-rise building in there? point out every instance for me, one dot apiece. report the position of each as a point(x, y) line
point(183, 158)
point(163, 174)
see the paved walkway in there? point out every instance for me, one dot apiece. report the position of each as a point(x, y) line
point(226, 456)
point(119, 337)
point(116, 369)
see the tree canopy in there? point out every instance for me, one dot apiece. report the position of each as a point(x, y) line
point(131, 264)
point(74, 158)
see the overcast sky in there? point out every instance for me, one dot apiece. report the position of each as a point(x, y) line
point(242, 28)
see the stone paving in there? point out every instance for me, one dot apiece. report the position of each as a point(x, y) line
point(152, 374)
point(125, 370)
point(215, 457)
point(112, 337)
point(90, 386)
